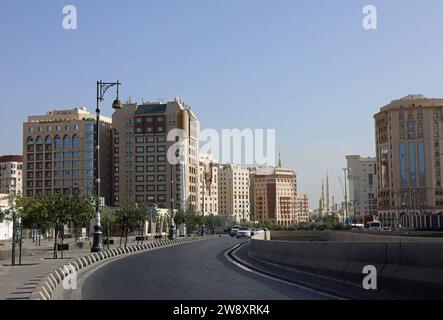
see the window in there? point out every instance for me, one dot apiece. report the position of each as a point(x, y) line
point(159, 119)
point(139, 159)
point(138, 120)
point(150, 188)
point(404, 181)
point(139, 149)
point(161, 168)
point(76, 142)
point(161, 158)
point(149, 130)
point(150, 178)
point(150, 168)
point(150, 139)
point(30, 141)
point(138, 130)
point(140, 188)
point(161, 178)
point(150, 159)
point(139, 169)
point(139, 179)
point(161, 187)
point(161, 139)
point(161, 149)
point(139, 140)
point(150, 149)
point(150, 198)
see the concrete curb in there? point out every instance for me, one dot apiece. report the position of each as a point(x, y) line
point(48, 285)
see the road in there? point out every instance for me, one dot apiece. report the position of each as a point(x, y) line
point(192, 271)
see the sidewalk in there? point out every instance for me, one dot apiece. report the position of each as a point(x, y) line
point(18, 282)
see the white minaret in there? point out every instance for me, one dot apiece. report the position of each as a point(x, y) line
point(328, 206)
point(322, 196)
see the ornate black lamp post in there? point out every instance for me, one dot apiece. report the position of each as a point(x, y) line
point(102, 87)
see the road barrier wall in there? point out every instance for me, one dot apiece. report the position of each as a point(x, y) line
point(405, 269)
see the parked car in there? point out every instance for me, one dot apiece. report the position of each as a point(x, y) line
point(244, 232)
point(234, 231)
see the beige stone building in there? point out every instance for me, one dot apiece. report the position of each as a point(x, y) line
point(11, 175)
point(409, 141)
point(302, 208)
point(233, 185)
point(362, 187)
point(147, 164)
point(208, 198)
point(275, 195)
point(58, 153)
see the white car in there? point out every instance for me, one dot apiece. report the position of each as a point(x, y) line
point(234, 231)
point(244, 232)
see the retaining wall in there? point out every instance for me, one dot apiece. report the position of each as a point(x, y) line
point(405, 269)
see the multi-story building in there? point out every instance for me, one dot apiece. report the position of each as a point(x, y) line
point(362, 187)
point(303, 208)
point(275, 194)
point(409, 141)
point(148, 166)
point(59, 151)
point(208, 170)
point(233, 197)
point(11, 168)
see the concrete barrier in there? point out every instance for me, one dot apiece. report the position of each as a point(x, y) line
point(405, 269)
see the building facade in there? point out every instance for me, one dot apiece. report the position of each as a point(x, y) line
point(362, 187)
point(275, 195)
point(59, 154)
point(156, 155)
point(303, 208)
point(11, 175)
point(233, 186)
point(208, 171)
point(409, 140)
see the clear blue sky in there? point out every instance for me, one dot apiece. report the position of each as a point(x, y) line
point(306, 68)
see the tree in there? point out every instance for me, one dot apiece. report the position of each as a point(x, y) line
point(81, 210)
point(211, 222)
point(108, 218)
point(128, 217)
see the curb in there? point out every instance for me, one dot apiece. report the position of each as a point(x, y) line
point(47, 286)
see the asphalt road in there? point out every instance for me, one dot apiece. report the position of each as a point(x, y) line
point(192, 271)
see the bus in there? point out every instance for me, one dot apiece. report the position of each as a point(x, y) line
point(374, 226)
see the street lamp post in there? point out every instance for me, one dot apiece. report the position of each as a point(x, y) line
point(345, 170)
point(102, 87)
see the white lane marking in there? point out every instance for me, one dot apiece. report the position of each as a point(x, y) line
point(235, 248)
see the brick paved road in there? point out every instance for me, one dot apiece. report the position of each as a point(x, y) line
point(191, 271)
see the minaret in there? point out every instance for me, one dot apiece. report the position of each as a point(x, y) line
point(328, 207)
point(322, 196)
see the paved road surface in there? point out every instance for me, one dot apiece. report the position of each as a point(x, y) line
point(193, 271)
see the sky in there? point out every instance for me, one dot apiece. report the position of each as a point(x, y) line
point(305, 68)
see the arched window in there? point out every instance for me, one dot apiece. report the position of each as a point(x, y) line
point(75, 141)
point(30, 141)
point(48, 140)
point(58, 142)
point(39, 140)
point(67, 142)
